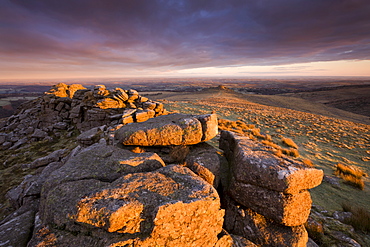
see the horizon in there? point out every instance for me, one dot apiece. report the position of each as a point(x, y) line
point(69, 40)
point(356, 80)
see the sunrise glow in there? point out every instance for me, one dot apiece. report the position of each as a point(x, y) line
point(58, 40)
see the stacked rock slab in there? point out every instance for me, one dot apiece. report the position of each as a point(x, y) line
point(274, 187)
point(178, 130)
point(173, 129)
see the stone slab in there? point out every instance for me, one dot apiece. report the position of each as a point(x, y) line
point(286, 209)
point(252, 163)
point(173, 129)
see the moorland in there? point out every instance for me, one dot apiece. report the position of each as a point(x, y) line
point(329, 120)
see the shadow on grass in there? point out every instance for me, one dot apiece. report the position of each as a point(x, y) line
point(360, 218)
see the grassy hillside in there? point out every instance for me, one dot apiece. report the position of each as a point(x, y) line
point(325, 140)
point(354, 99)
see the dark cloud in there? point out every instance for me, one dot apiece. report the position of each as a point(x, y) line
point(184, 34)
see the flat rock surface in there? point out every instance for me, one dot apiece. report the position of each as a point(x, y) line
point(104, 163)
point(167, 207)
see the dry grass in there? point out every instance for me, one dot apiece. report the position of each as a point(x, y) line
point(240, 127)
point(308, 163)
point(257, 133)
point(351, 174)
point(291, 152)
point(271, 144)
point(356, 182)
point(268, 138)
point(278, 152)
point(254, 133)
point(235, 126)
point(289, 142)
point(245, 126)
point(350, 170)
point(360, 219)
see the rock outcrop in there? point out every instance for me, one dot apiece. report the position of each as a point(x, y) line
point(63, 90)
point(267, 186)
point(73, 107)
point(154, 204)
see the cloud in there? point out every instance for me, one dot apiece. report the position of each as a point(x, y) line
point(183, 34)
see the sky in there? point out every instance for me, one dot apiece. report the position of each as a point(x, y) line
point(54, 39)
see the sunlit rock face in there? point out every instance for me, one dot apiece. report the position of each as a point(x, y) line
point(104, 163)
point(286, 209)
point(64, 90)
point(168, 207)
point(173, 129)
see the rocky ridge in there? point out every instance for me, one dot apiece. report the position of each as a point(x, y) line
point(155, 182)
point(75, 108)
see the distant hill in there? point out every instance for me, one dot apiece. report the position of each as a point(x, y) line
point(330, 103)
point(352, 98)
